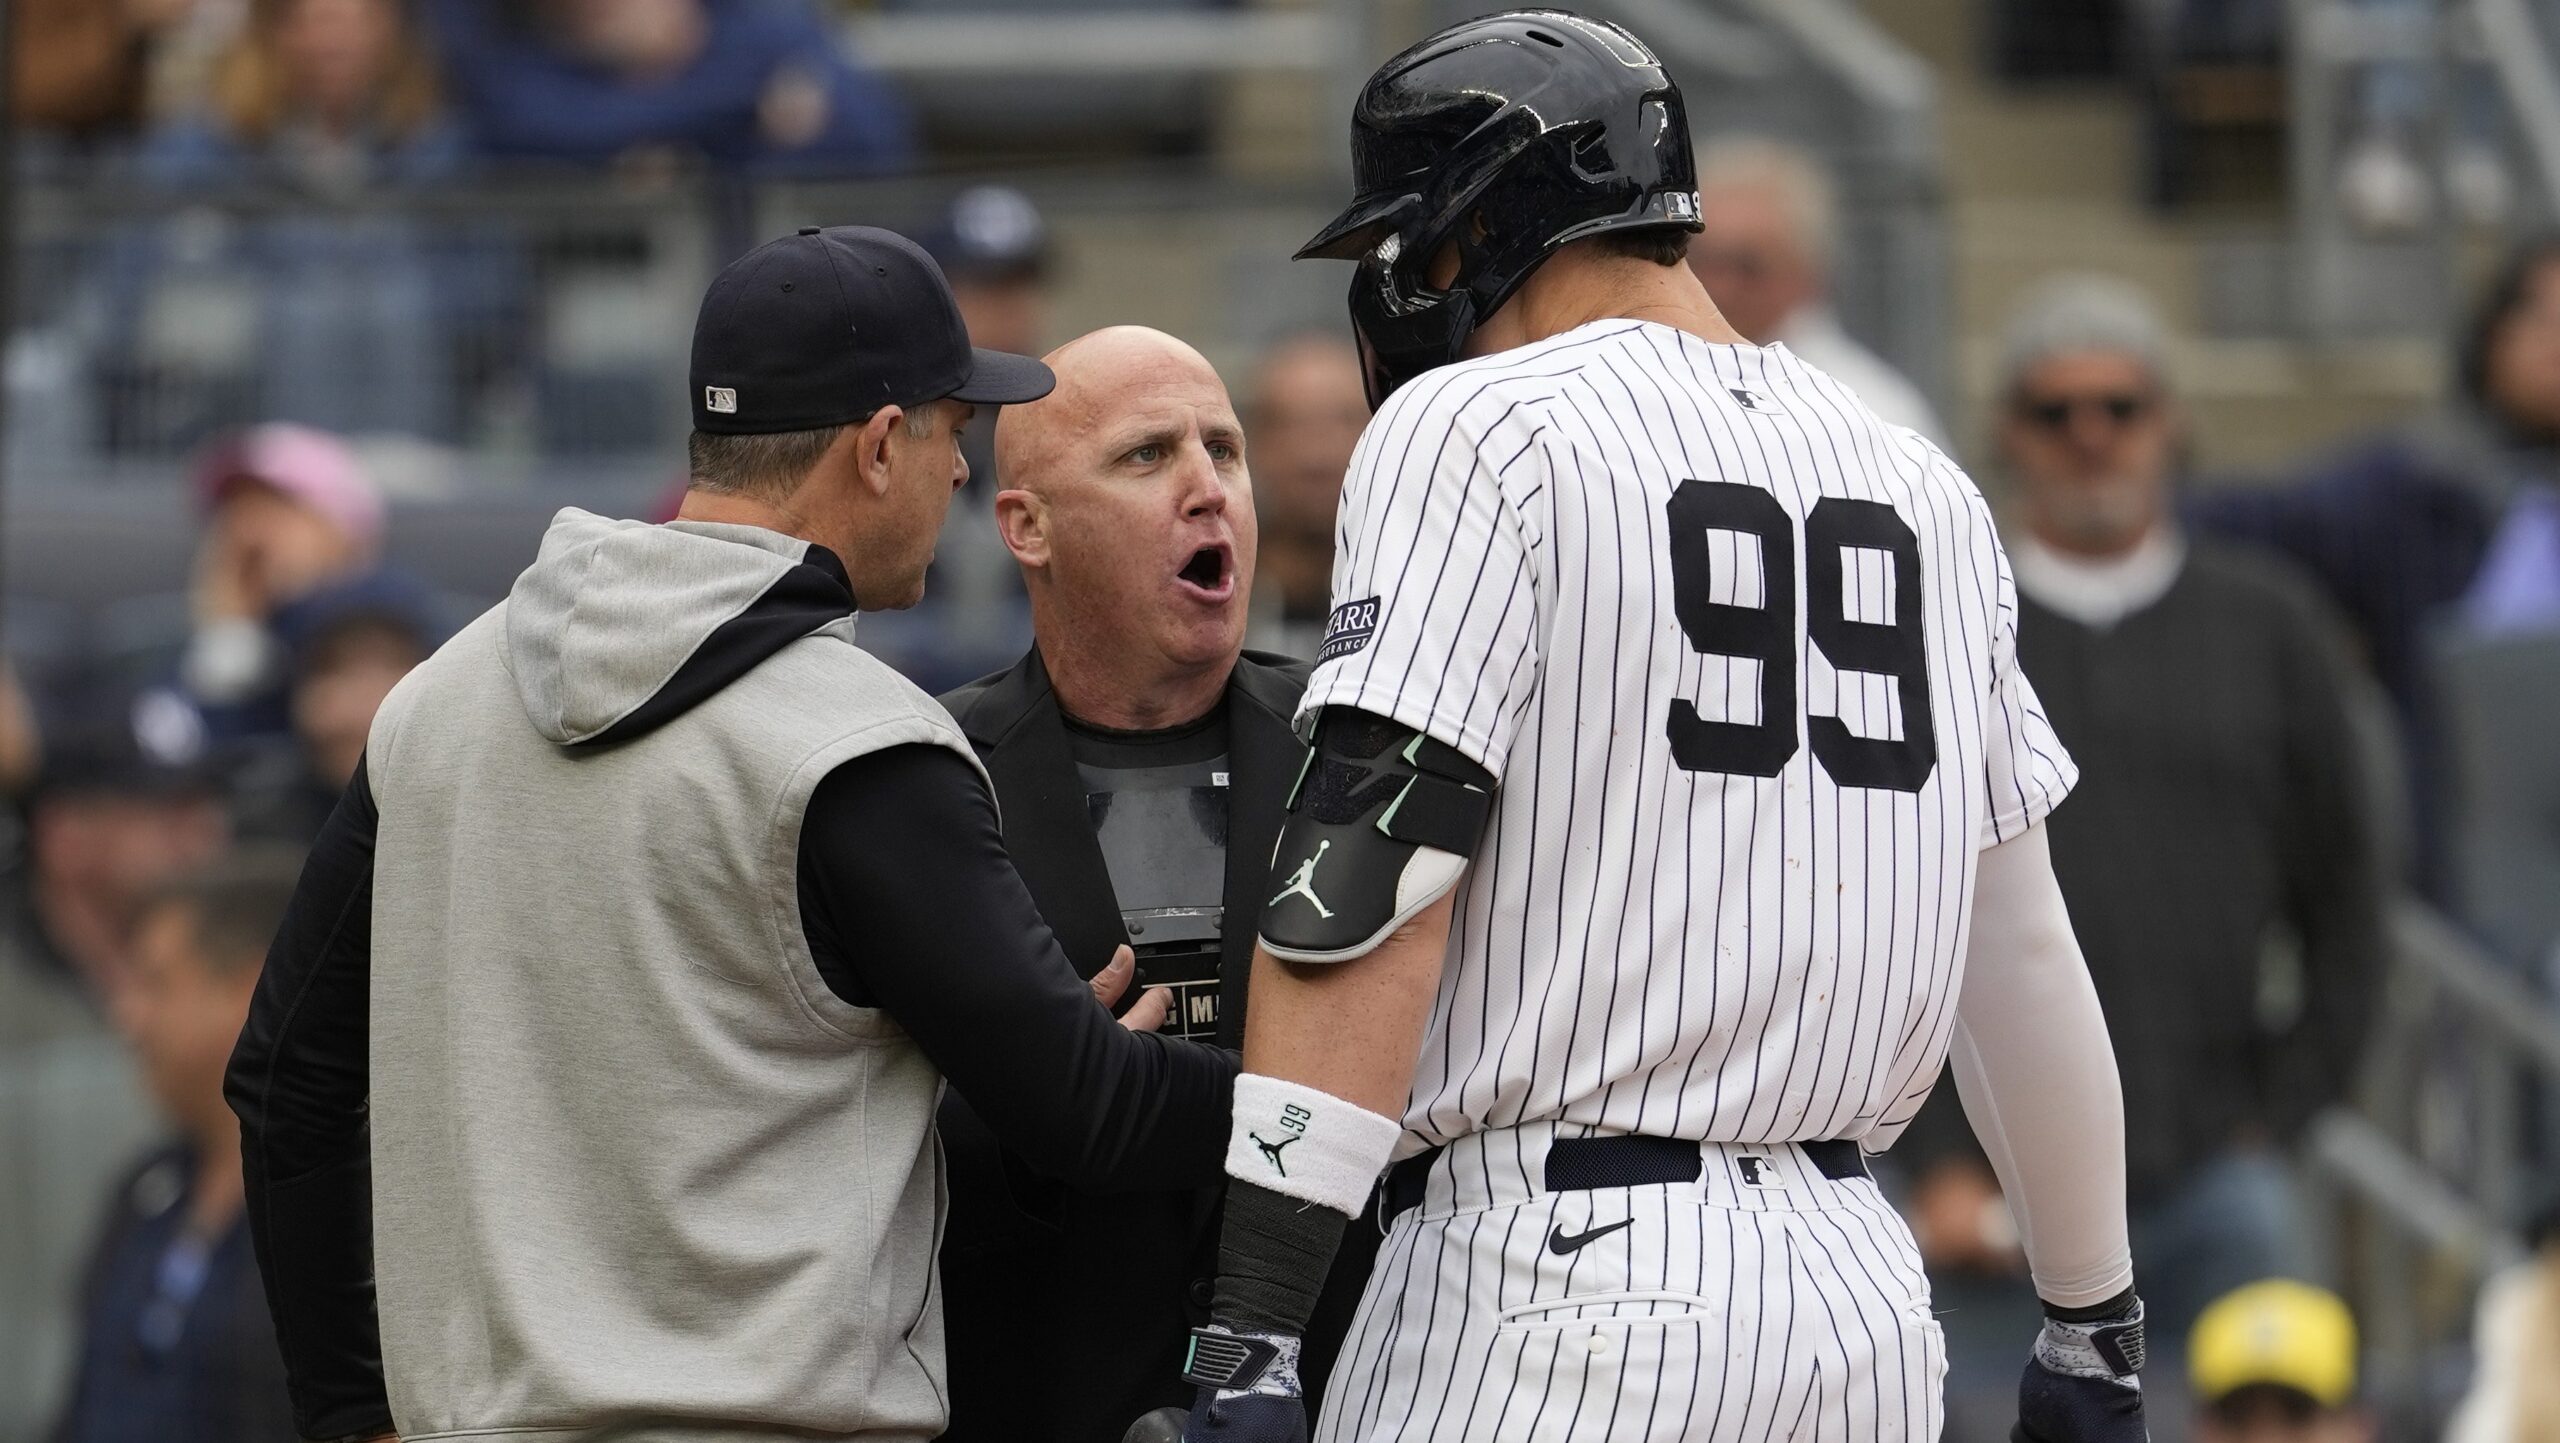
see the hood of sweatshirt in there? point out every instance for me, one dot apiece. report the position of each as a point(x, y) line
point(619, 627)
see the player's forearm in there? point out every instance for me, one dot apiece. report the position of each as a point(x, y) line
point(1341, 996)
point(1351, 1029)
point(2038, 1078)
point(1329, 1050)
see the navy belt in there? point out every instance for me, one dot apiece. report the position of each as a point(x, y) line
point(1580, 1164)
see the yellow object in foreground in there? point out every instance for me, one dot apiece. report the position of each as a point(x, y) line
point(2286, 1333)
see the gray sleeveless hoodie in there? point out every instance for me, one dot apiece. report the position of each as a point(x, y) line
point(635, 1167)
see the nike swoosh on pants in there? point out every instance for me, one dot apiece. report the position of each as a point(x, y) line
point(1560, 1242)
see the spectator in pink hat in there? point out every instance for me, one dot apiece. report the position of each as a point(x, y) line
point(288, 510)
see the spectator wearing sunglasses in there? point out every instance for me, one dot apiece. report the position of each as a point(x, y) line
point(2219, 857)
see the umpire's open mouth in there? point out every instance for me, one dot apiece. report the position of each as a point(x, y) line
point(1209, 575)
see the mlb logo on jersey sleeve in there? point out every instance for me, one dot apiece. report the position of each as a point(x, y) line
point(1350, 628)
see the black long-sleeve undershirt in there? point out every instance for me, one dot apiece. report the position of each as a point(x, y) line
point(298, 1081)
point(909, 903)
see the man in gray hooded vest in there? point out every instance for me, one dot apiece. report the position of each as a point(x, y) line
point(648, 929)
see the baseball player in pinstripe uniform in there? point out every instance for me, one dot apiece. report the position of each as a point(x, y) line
point(1672, 815)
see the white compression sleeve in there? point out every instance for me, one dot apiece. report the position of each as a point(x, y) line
point(2038, 1078)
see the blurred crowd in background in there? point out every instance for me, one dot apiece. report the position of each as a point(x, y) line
point(2313, 706)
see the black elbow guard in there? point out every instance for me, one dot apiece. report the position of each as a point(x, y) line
point(1380, 826)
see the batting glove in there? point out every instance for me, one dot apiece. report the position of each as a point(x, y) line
point(1249, 1391)
point(2081, 1384)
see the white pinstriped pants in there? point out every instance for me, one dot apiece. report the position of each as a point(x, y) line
point(1721, 1312)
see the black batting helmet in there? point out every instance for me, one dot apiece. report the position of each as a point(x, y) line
point(1511, 135)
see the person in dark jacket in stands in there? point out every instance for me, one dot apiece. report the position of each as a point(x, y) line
point(760, 85)
point(1141, 758)
point(175, 1342)
point(2399, 528)
point(2220, 850)
point(603, 1041)
point(346, 646)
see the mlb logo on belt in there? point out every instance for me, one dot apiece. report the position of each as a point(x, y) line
point(723, 399)
point(1758, 1171)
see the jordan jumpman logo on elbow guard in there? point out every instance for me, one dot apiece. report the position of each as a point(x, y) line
point(1304, 883)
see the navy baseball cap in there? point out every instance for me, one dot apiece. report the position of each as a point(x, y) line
point(989, 233)
point(103, 735)
point(828, 326)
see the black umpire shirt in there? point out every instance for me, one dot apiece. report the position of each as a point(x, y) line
point(1064, 1305)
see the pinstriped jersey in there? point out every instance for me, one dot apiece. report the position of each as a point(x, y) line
point(1743, 659)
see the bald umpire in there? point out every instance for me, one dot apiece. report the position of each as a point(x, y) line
point(1143, 760)
point(649, 928)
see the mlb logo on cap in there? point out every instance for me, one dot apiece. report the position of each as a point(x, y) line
point(826, 327)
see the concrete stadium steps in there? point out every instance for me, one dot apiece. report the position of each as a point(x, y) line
point(2003, 248)
point(2043, 179)
point(2071, 144)
point(1940, 32)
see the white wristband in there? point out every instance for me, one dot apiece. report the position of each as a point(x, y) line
point(1308, 1145)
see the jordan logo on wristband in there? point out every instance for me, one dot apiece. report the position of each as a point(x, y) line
point(1271, 1151)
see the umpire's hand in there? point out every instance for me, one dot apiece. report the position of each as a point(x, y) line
point(1152, 1007)
point(2081, 1386)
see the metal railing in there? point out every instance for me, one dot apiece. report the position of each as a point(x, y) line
point(1016, 76)
point(515, 323)
point(999, 44)
point(1817, 72)
point(531, 331)
point(2421, 1173)
point(514, 334)
point(2347, 282)
point(2518, 48)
